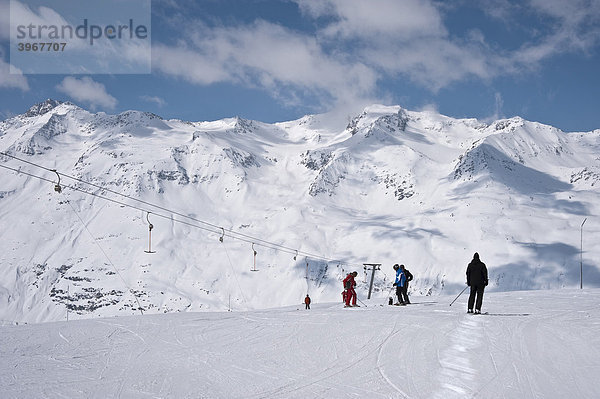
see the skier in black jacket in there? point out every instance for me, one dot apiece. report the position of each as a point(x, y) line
point(404, 291)
point(477, 279)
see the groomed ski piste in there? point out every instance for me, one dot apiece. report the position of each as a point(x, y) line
point(531, 344)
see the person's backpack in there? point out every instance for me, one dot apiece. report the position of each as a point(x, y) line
point(347, 282)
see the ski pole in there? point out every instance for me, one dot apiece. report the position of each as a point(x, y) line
point(362, 302)
point(459, 295)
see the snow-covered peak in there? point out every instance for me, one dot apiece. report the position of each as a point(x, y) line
point(51, 106)
point(133, 116)
point(378, 118)
point(42, 108)
point(510, 124)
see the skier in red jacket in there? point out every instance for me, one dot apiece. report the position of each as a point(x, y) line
point(307, 301)
point(349, 285)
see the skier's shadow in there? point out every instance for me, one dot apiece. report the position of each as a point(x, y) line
point(508, 314)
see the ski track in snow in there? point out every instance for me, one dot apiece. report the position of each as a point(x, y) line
point(457, 372)
point(380, 367)
point(543, 348)
point(320, 379)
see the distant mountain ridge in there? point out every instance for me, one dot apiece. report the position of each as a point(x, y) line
point(391, 186)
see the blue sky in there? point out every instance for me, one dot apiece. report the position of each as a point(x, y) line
point(279, 60)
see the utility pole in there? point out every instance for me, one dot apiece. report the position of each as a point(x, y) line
point(581, 258)
point(373, 266)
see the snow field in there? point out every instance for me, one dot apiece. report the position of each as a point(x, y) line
point(531, 344)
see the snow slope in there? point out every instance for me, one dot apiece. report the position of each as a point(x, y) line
point(391, 186)
point(532, 344)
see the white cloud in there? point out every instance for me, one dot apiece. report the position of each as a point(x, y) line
point(562, 27)
point(429, 107)
point(88, 91)
point(359, 19)
point(500, 9)
point(358, 44)
point(4, 19)
point(572, 12)
point(105, 56)
point(433, 64)
point(154, 99)
point(268, 56)
point(188, 63)
point(14, 80)
point(575, 27)
point(406, 38)
point(410, 38)
point(401, 38)
point(498, 113)
point(499, 101)
point(23, 14)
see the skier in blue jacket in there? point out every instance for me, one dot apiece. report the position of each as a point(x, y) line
point(399, 283)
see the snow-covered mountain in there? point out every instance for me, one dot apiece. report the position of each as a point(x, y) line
point(393, 186)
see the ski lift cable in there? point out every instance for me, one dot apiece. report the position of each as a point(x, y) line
point(262, 243)
point(108, 199)
point(251, 238)
point(105, 255)
point(111, 191)
point(296, 252)
point(235, 274)
point(233, 234)
point(116, 192)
